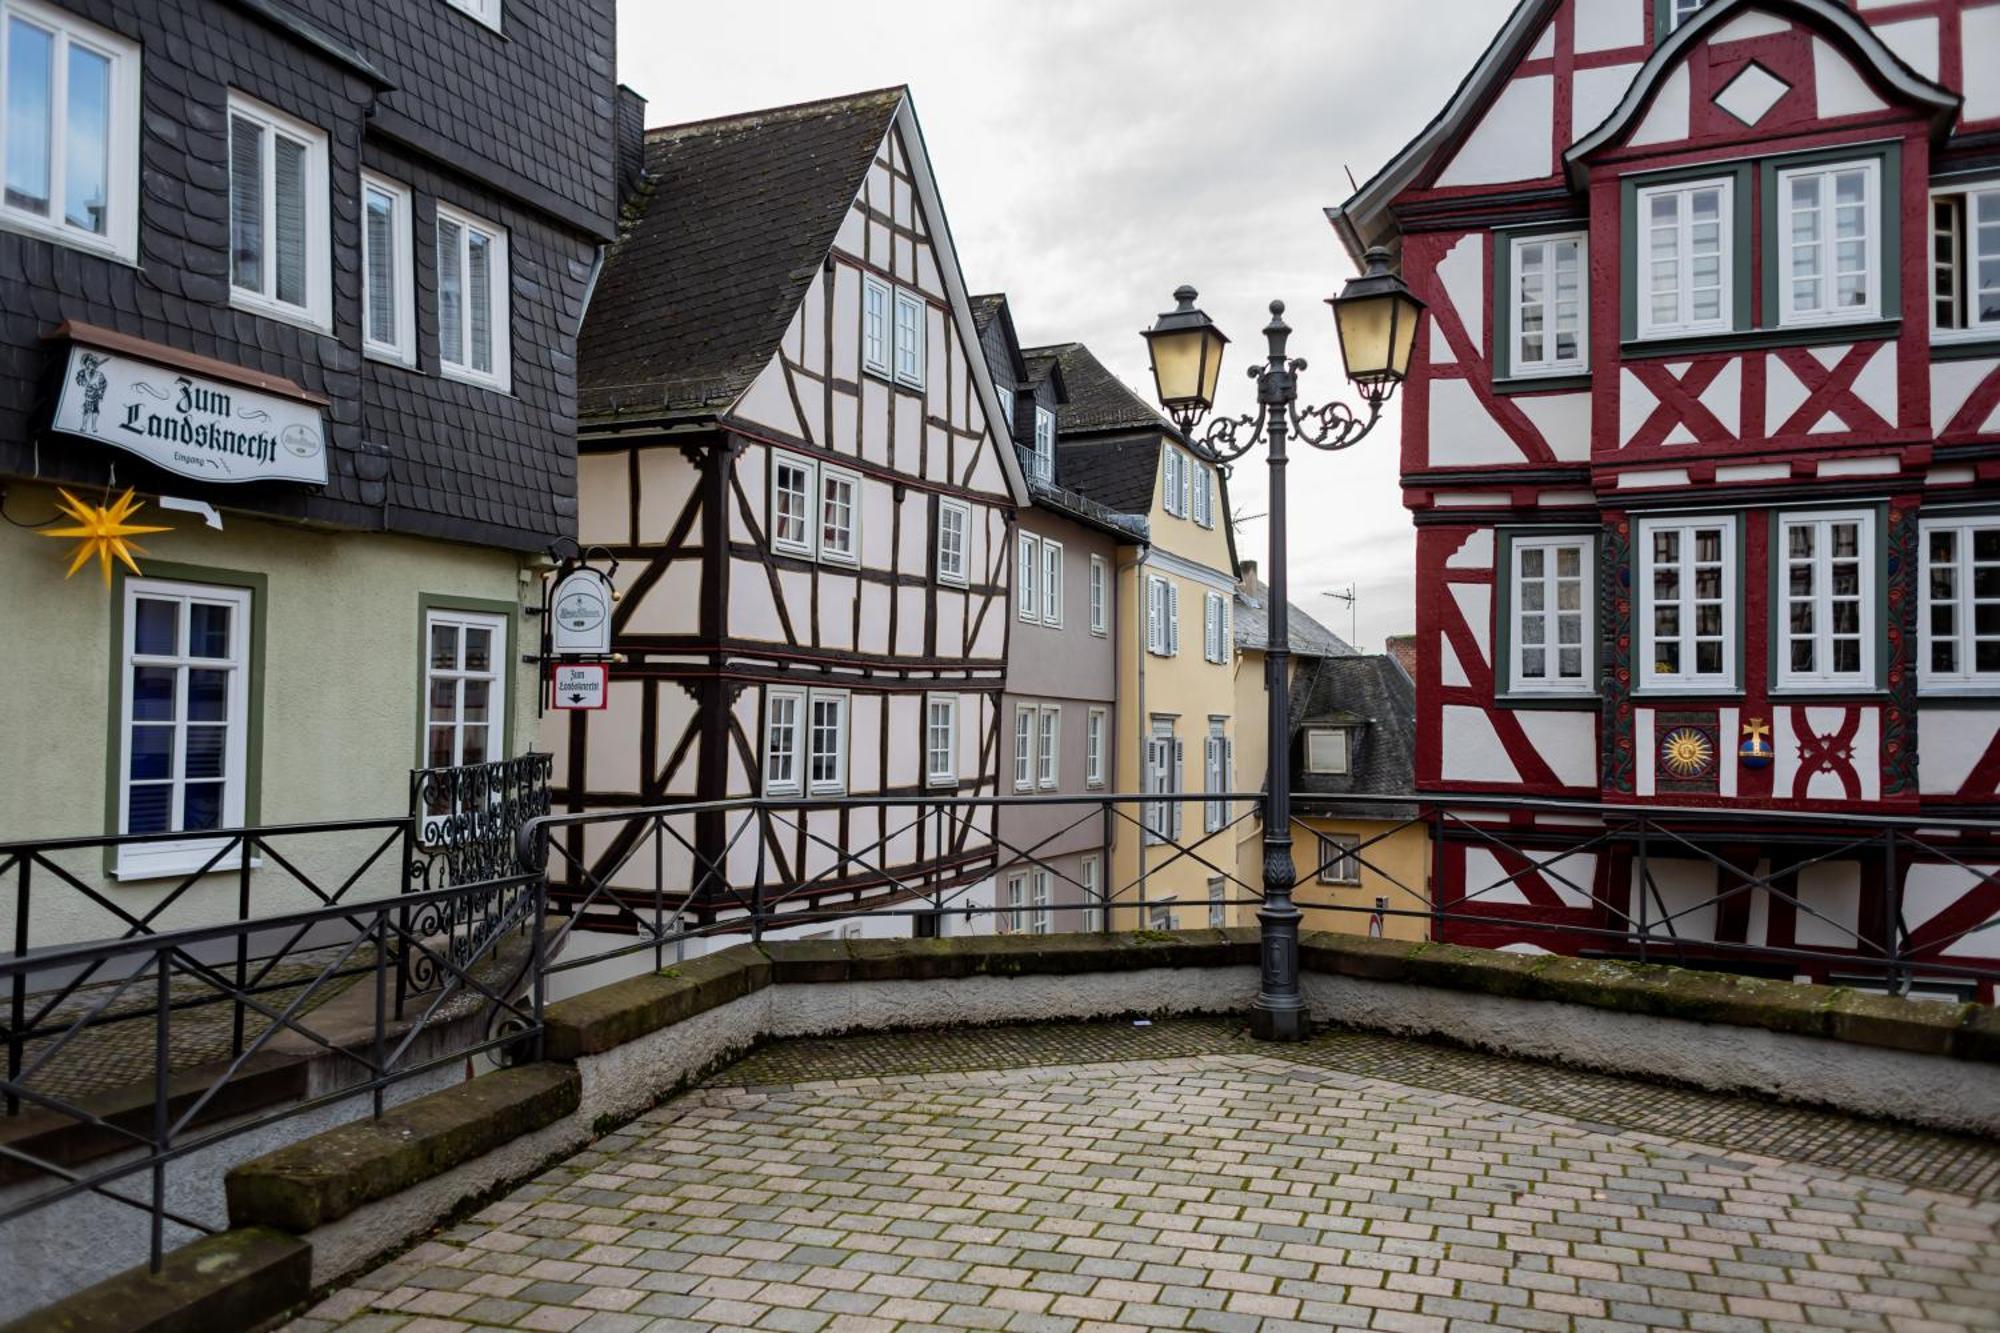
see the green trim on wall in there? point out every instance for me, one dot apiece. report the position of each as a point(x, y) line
point(428, 602)
point(1503, 305)
point(1802, 335)
point(1969, 349)
point(1544, 384)
point(1628, 240)
point(1774, 604)
point(259, 587)
point(1889, 241)
point(1503, 622)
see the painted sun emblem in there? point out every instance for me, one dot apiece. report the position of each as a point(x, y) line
point(1687, 752)
point(104, 531)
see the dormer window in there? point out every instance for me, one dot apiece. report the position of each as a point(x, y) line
point(1045, 445)
point(1326, 750)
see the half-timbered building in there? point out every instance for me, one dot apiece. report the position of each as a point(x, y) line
point(1176, 714)
point(790, 441)
point(1059, 714)
point(1700, 447)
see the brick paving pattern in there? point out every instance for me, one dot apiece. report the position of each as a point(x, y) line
point(1240, 1189)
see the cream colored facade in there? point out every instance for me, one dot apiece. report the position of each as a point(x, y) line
point(335, 673)
point(1180, 692)
point(1395, 869)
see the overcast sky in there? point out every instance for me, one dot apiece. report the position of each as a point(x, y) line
point(1094, 154)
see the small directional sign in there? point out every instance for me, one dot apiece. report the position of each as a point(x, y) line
point(581, 686)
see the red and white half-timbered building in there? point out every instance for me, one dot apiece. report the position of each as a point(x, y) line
point(787, 441)
point(1702, 442)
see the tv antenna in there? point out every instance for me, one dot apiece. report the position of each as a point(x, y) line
point(1352, 596)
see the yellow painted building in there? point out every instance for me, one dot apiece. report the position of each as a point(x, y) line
point(1177, 723)
point(1359, 854)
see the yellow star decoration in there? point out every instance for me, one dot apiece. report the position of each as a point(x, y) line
point(1687, 753)
point(102, 531)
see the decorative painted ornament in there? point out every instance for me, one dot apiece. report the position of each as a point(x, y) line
point(103, 531)
point(1755, 752)
point(1687, 752)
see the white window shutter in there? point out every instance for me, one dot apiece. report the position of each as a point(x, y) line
point(1174, 785)
point(1173, 619)
point(1222, 641)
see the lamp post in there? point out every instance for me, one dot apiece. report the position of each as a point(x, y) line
point(1377, 319)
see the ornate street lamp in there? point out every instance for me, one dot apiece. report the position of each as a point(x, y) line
point(1377, 318)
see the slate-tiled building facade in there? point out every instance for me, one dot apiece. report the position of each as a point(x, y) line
point(362, 232)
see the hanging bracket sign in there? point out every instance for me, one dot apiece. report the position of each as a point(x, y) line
point(580, 686)
point(189, 424)
point(580, 614)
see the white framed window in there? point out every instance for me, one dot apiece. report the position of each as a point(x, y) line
point(185, 700)
point(794, 481)
point(388, 290)
point(826, 742)
point(486, 11)
point(1014, 920)
point(465, 687)
point(1006, 393)
point(1549, 319)
point(1162, 818)
point(941, 740)
point(876, 337)
point(1338, 858)
point(1097, 724)
point(1028, 577)
point(1163, 616)
point(1218, 759)
point(69, 130)
point(474, 320)
point(1680, 11)
point(1203, 483)
point(1687, 603)
point(1052, 583)
point(1048, 748)
point(1218, 909)
point(1100, 595)
point(839, 515)
point(278, 215)
point(1826, 600)
point(1829, 241)
point(1024, 747)
point(954, 522)
point(1215, 628)
point(1045, 445)
point(1043, 919)
point(1960, 606)
point(1160, 916)
point(1549, 615)
point(1090, 873)
point(1686, 238)
point(910, 338)
point(1174, 482)
point(1326, 750)
point(784, 748)
point(1965, 261)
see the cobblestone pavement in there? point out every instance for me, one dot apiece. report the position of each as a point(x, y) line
point(1236, 1189)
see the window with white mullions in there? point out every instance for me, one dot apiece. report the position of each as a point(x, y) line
point(941, 739)
point(473, 325)
point(1338, 858)
point(827, 739)
point(1013, 921)
point(1551, 615)
point(1097, 722)
point(792, 485)
point(1100, 598)
point(1827, 597)
point(1685, 243)
point(1045, 445)
point(1039, 888)
point(1961, 601)
point(954, 520)
point(1091, 875)
point(1027, 581)
point(1024, 748)
point(1965, 260)
point(464, 687)
point(278, 244)
point(876, 339)
point(185, 702)
point(69, 128)
point(1052, 583)
point(1828, 241)
point(782, 723)
point(910, 338)
point(1551, 321)
point(1687, 592)
point(1680, 11)
point(837, 491)
point(1048, 749)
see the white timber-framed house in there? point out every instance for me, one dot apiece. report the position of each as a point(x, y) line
point(788, 440)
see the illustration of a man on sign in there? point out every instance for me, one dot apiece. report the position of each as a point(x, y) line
point(91, 379)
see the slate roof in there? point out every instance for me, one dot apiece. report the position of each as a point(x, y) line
point(717, 251)
point(1306, 636)
point(1372, 694)
point(1098, 400)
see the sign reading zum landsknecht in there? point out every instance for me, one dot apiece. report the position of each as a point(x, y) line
point(197, 427)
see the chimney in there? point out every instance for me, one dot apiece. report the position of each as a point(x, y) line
point(1403, 647)
point(1248, 580)
point(628, 134)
